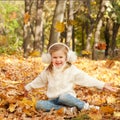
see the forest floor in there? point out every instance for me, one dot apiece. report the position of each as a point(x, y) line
point(16, 71)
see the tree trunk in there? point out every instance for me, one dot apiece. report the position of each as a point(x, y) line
point(107, 36)
point(38, 43)
point(89, 30)
point(58, 17)
point(114, 34)
point(83, 40)
point(70, 26)
point(98, 28)
point(27, 29)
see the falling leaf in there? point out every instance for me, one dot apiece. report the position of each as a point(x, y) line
point(59, 26)
point(26, 17)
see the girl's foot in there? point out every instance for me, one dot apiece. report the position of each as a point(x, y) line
point(88, 107)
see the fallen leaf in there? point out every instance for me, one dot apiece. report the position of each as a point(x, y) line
point(12, 107)
point(116, 114)
point(107, 109)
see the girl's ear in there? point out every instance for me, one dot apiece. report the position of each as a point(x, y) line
point(71, 56)
point(46, 58)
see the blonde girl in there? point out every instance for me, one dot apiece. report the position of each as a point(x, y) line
point(60, 78)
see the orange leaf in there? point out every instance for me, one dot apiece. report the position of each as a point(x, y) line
point(60, 111)
point(109, 63)
point(107, 109)
point(26, 18)
point(95, 115)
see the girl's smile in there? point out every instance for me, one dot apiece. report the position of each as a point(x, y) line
point(58, 58)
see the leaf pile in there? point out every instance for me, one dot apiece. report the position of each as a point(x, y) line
point(16, 71)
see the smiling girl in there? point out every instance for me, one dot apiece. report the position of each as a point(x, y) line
point(60, 77)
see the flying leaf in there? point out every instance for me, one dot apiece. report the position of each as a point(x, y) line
point(26, 18)
point(60, 26)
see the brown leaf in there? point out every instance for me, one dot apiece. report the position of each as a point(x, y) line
point(109, 63)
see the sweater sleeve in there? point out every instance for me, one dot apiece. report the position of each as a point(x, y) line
point(38, 82)
point(83, 79)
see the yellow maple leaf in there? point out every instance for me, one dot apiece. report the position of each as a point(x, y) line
point(60, 26)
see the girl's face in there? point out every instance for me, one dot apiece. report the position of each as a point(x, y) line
point(58, 58)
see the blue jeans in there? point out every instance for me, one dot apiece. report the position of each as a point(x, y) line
point(59, 102)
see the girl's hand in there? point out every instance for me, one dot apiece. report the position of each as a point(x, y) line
point(110, 87)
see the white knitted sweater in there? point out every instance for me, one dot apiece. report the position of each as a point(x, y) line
point(63, 81)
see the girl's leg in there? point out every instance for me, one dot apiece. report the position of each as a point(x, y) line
point(47, 105)
point(69, 100)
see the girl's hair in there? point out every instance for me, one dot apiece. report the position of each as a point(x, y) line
point(57, 47)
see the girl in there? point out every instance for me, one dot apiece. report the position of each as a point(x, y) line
point(60, 77)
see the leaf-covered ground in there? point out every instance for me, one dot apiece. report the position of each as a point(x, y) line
point(16, 71)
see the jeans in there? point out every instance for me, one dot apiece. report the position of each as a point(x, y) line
point(59, 102)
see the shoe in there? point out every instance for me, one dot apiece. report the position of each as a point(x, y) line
point(88, 107)
point(70, 110)
point(67, 111)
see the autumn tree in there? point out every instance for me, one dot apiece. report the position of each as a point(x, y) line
point(57, 22)
point(27, 28)
point(38, 42)
point(69, 30)
point(116, 24)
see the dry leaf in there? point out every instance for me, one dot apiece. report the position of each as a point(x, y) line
point(116, 114)
point(107, 109)
point(109, 63)
point(95, 115)
point(26, 18)
point(12, 107)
